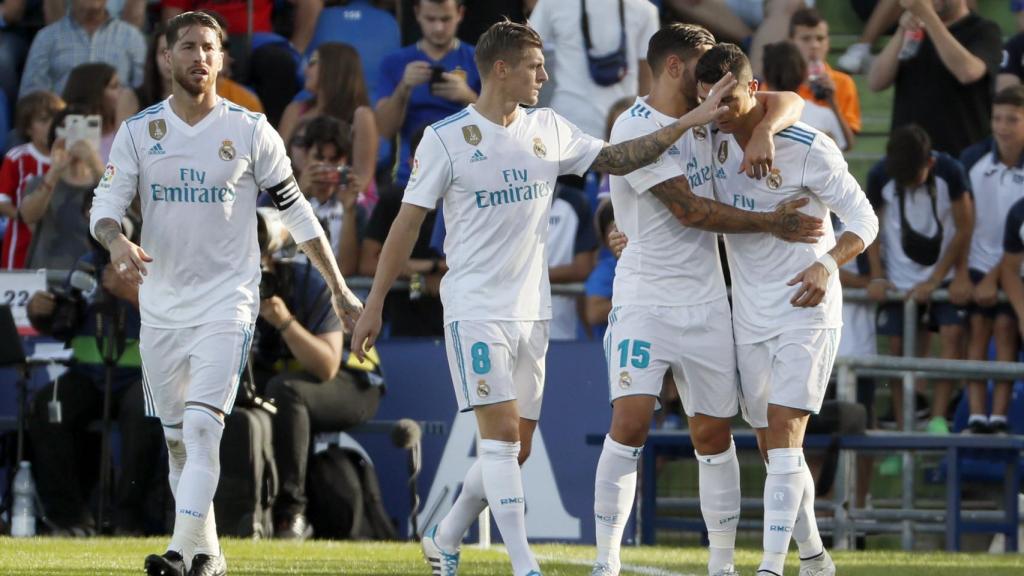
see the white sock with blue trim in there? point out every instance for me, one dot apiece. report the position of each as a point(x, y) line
point(614, 490)
point(201, 431)
point(503, 484)
point(466, 509)
point(719, 488)
point(783, 492)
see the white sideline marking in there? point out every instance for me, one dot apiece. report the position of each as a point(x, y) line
point(626, 568)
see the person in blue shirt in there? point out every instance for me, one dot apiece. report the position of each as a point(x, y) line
point(426, 81)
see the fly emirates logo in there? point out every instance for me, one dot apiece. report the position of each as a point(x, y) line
point(517, 188)
point(191, 189)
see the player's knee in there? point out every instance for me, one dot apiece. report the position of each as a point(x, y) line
point(201, 430)
point(629, 432)
point(711, 439)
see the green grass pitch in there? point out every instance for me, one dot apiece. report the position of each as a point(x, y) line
point(60, 557)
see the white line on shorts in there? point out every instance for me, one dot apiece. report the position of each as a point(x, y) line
point(625, 569)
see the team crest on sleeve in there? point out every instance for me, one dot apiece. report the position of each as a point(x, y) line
point(539, 150)
point(472, 134)
point(625, 380)
point(723, 151)
point(157, 129)
point(227, 151)
point(700, 132)
point(774, 179)
point(482, 389)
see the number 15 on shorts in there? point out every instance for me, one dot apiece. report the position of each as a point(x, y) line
point(636, 353)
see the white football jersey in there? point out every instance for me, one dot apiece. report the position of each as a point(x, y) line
point(199, 185)
point(807, 164)
point(665, 263)
point(497, 183)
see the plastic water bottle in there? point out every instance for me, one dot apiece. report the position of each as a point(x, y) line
point(23, 514)
point(911, 43)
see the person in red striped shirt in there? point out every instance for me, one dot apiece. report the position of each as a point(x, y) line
point(34, 113)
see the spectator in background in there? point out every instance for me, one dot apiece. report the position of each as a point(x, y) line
point(87, 34)
point(334, 77)
point(373, 32)
point(96, 88)
point(426, 81)
point(296, 323)
point(65, 455)
point(925, 219)
point(416, 313)
point(326, 179)
point(785, 70)
point(996, 170)
point(14, 41)
point(570, 251)
point(943, 81)
point(156, 84)
point(581, 98)
point(715, 15)
point(54, 203)
point(824, 86)
point(1011, 70)
point(32, 122)
point(599, 284)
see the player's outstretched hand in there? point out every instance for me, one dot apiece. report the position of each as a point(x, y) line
point(792, 225)
point(710, 109)
point(364, 336)
point(348, 307)
point(758, 155)
point(813, 281)
point(129, 260)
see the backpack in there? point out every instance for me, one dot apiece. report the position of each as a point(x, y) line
point(344, 497)
point(248, 482)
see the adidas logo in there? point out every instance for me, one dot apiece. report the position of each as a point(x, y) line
point(156, 150)
point(477, 156)
point(673, 150)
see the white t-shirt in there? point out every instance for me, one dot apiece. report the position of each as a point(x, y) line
point(665, 263)
point(807, 164)
point(583, 102)
point(996, 187)
point(950, 186)
point(497, 184)
point(824, 119)
point(199, 185)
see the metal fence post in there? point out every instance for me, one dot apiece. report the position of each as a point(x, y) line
point(909, 412)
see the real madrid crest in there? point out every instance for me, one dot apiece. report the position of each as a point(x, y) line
point(472, 134)
point(774, 179)
point(157, 129)
point(700, 132)
point(108, 174)
point(625, 380)
point(538, 148)
point(482, 389)
point(227, 151)
point(723, 151)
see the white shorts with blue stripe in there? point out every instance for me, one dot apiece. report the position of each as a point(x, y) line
point(199, 364)
point(497, 361)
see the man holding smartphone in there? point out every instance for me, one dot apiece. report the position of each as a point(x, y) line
point(426, 81)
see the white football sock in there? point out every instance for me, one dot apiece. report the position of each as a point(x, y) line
point(614, 490)
point(176, 456)
point(466, 509)
point(202, 431)
point(805, 531)
point(783, 492)
point(719, 488)
point(503, 484)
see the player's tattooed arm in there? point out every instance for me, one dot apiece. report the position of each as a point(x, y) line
point(625, 157)
point(107, 230)
point(345, 303)
point(786, 222)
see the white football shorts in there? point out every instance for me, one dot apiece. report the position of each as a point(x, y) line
point(496, 361)
point(694, 342)
point(199, 364)
point(791, 369)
